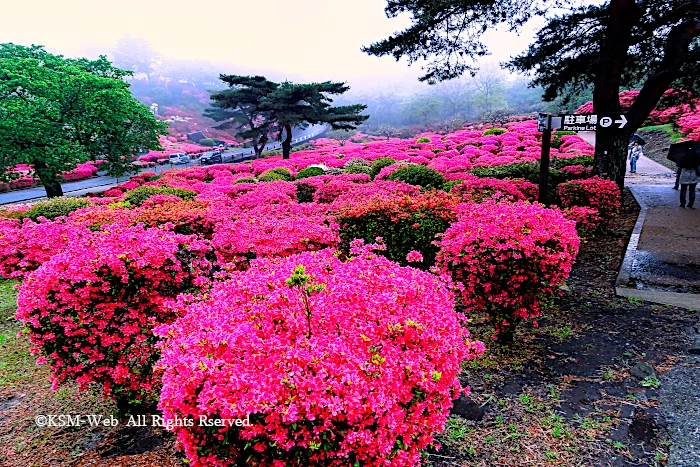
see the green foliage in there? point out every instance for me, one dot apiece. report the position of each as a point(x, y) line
point(379, 164)
point(413, 226)
point(137, 196)
point(278, 173)
point(423, 140)
point(525, 170)
point(357, 169)
point(419, 175)
point(495, 131)
point(69, 111)
point(55, 208)
point(309, 172)
point(450, 184)
point(246, 180)
point(559, 162)
point(206, 142)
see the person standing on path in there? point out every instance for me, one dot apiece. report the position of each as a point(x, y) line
point(635, 154)
point(689, 182)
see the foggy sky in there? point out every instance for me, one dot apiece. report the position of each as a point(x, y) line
point(303, 40)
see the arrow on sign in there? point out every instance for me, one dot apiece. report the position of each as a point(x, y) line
point(622, 121)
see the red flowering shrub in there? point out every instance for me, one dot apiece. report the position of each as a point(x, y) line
point(90, 310)
point(597, 193)
point(280, 230)
point(510, 258)
point(405, 223)
point(332, 363)
point(186, 217)
point(478, 189)
point(94, 217)
point(24, 246)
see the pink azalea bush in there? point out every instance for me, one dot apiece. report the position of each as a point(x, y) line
point(271, 230)
point(510, 258)
point(479, 189)
point(26, 245)
point(330, 363)
point(596, 193)
point(90, 310)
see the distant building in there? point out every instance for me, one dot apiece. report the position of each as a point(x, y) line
point(195, 136)
point(154, 108)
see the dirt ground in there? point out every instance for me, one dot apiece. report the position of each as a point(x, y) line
point(563, 395)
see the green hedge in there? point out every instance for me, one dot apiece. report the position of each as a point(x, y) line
point(379, 164)
point(309, 172)
point(419, 175)
point(55, 208)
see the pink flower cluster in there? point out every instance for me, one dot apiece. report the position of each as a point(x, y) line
point(479, 189)
point(274, 230)
point(26, 245)
point(333, 363)
point(90, 310)
point(509, 258)
point(596, 193)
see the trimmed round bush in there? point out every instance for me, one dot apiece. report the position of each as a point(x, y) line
point(357, 169)
point(55, 208)
point(326, 362)
point(309, 172)
point(423, 140)
point(495, 131)
point(90, 310)
point(511, 259)
point(278, 173)
point(379, 164)
point(137, 196)
point(419, 175)
point(246, 180)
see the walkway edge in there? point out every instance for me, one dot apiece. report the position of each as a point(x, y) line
point(622, 289)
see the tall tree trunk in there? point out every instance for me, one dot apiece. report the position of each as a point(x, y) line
point(287, 142)
point(611, 154)
point(259, 145)
point(611, 146)
point(51, 183)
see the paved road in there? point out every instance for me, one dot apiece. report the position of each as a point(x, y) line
point(103, 182)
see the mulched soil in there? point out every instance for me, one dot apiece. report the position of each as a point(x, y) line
point(562, 395)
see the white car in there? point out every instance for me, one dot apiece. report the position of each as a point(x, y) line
point(179, 158)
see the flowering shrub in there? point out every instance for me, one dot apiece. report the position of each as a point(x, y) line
point(477, 189)
point(405, 223)
point(509, 257)
point(184, 217)
point(274, 231)
point(330, 362)
point(90, 310)
point(587, 219)
point(597, 193)
point(24, 246)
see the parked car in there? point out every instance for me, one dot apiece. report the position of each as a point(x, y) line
point(179, 158)
point(211, 157)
